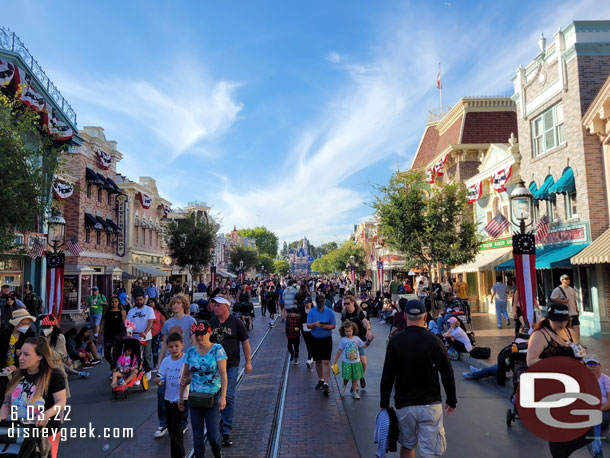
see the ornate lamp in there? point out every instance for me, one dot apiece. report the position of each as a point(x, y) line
point(521, 206)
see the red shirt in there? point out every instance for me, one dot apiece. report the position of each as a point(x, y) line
point(293, 326)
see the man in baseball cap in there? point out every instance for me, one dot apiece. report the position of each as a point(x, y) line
point(565, 294)
point(413, 360)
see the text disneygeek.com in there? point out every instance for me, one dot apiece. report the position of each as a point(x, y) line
point(65, 433)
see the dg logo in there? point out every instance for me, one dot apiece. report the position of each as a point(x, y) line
point(559, 399)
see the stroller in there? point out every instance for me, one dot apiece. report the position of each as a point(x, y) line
point(512, 358)
point(245, 312)
point(14, 445)
point(136, 349)
point(460, 309)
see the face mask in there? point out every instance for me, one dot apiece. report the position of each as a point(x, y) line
point(23, 329)
point(47, 331)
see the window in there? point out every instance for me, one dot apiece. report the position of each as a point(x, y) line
point(551, 209)
point(535, 211)
point(89, 190)
point(547, 130)
point(99, 194)
point(137, 234)
point(109, 198)
point(87, 235)
point(98, 236)
point(108, 238)
point(571, 205)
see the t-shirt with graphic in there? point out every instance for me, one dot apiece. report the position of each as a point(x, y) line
point(205, 376)
point(140, 317)
point(126, 363)
point(229, 334)
point(604, 385)
point(172, 371)
point(95, 304)
point(23, 395)
point(180, 325)
point(10, 354)
point(350, 349)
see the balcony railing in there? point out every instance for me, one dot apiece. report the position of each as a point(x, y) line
point(436, 114)
point(11, 42)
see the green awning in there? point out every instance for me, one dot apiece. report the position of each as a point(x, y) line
point(565, 184)
point(544, 192)
point(549, 257)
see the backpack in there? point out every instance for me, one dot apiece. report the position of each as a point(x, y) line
point(480, 352)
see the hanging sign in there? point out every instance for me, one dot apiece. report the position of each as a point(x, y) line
point(122, 203)
point(474, 192)
point(500, 178)
point(145, 200)
point(7, 72)
point(105, 159)
point(62, 190)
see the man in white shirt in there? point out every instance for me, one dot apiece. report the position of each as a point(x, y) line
point(498, 291)
point(565, 294)
point(143, 317)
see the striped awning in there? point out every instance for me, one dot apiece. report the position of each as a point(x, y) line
point(485, 260)
point(596, 253)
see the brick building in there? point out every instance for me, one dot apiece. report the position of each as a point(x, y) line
point(562, 162)
point(91, 218)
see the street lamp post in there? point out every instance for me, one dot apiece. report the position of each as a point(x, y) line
point(55, 265)
point(57, 232)
point(241, 271)
point(524, 252)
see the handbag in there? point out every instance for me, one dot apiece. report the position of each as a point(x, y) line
point(202, 400)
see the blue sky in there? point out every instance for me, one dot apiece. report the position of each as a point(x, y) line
point(279, 113)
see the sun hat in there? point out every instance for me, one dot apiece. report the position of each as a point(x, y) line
point(19, 315)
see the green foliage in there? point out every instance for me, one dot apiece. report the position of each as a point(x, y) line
point(336, 260)
point(312, 250)
point(266, 241)
point(28, 160)
point(284, 252)
point(190, 242)
point(267, 261)
point(427, 225)
point(243, 253)
point(281, 267)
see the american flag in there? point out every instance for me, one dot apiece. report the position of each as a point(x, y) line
point(542, 229)
point(497, 225)
point(37, 249)
point(74, 247)
point(438, 77)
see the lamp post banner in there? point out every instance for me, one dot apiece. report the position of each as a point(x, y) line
point(380, 275)
point(213, 275)
point(55, 283)
point(524, 253)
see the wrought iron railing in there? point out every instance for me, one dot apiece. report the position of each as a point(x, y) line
point(11, 42)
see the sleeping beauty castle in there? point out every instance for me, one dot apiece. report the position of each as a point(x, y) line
point(300, 261)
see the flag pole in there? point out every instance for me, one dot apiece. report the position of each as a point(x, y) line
point(440, 87)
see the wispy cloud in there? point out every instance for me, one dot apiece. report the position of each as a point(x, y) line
point(334, 57)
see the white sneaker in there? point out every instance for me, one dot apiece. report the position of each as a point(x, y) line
point(149, 375)
point(355, 395)
point(136, 383)
point(473, 369)
point(296, 362)
point(343, 390)
point(160, 432)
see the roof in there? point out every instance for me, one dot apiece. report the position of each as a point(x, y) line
point(489, 126)
point(451, 136)
point(596, 253)
point(427, 147)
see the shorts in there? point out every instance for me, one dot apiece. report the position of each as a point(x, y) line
point(422, 425)
point(95, 319)
point(574, 321)
point(352, 371)
point(322, 349)
point(395, 298)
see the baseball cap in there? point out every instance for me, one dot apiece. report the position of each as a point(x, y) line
point(557, 311)
point(452, 320)
point(307, 300)
point(591, 358)
point(95, 288)
point(415, 308)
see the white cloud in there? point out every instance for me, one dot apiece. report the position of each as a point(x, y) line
point(334, 57)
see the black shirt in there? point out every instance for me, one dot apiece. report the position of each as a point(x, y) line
point(23, 393)
point(229, 334)
point(413, 360)
point(113, 323)
point(356, 317)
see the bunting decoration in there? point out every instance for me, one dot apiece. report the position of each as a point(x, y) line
point(62, 190)
point(7, 72)
point(55, 283)
point(25, 91)
point(55, 126)
point(438, 167)
point(380, 275)
point(105, 159)
point(166, 210)
point(430, 176)
point(474, 192)
point(500, 178)
point(524, 252)
point(145, 200)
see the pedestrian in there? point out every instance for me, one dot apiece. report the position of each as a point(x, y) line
point(138, 289)
point(160, 319)
point(261, 299)
point(169, 375)
point(32, 301)
point(49, 329)
point(205, 372)
point(498, 292)
point(151, 290)
point(394, 284)
point(119, 289)
point(436, 297)
point(271, 300)
point(352, 312)
point(289, 295)
point(112, 330)
point(456, 337)
point(168, 291)
point(229, 332)
point(594, 364)
point(180, 323)
point(96, 303)
point(351, 365)
point(565, 294)
point(304, 309)
point(12, 338)
point(143, 317)
point(321, 321)
point(293, 334)
point(414, 358)
point(201, 287)
point(461, 288)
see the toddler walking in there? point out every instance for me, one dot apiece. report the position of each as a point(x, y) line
point(351, 366)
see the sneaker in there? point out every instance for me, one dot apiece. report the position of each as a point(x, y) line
point(84, 374)
point(507, 322)
point(467, 375)
point(149, 375)
point(344, 388)
point(136, 383)
point(473, 369)
point(362, 383)
point(291, 358)
point(308, 364)
point(160, 432)
point(114, 385)
point(320, 384)
point(226, 440)
point(355, 395)
point(270, 325)
point(326, 389)
point(122, 382)
point(296, 362)
point(96, 361)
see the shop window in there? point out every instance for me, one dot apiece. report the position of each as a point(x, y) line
point(535, 211)
point(98, 236)
point(99, 194)
point(551, 209)
point(586, 285)
point(89, 190)
point(87, 235)
point(571, 205)
point(548, 130)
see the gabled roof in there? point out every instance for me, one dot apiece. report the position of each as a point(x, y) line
point(489, 126)
point(427, 147)
point(451, 136)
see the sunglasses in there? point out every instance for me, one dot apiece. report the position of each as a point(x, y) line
point(592, 364)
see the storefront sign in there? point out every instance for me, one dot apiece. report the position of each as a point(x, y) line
point(122, 202)
point(577, 234)
point(496, 244)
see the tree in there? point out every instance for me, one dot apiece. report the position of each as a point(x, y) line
point(281, 267)
point(246, 254)
point(28, 161)
point(284, 252)
point(266, 241)
point(266, 261)
point(336, 260)
point(426, 225)
point(190, 243)
point(326, 248)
